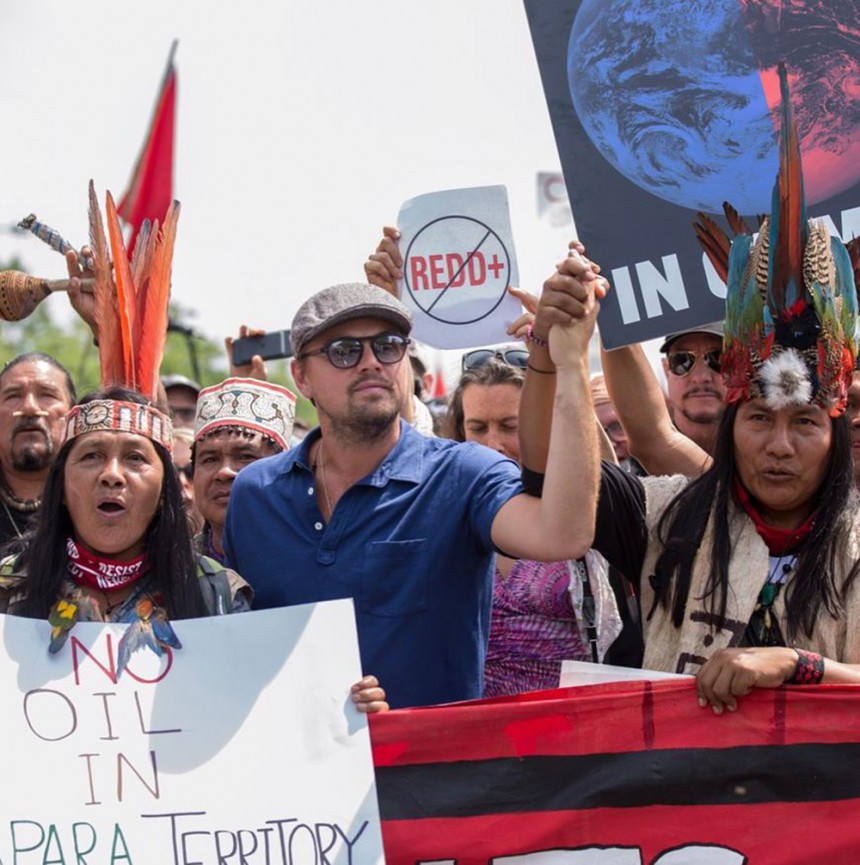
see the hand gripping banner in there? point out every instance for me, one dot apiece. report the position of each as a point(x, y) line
point(630, 773)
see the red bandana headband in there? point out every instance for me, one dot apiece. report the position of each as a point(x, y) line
point(98, 572)
point(118, 416)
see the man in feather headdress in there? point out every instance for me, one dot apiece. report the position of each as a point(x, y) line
point(748, 574)
point(853, 412)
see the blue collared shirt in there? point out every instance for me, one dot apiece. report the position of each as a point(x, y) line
point(410, 543)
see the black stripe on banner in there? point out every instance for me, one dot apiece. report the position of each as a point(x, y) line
point(704, 776)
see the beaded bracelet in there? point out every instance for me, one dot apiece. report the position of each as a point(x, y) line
point(809, 669)
point(532, 337)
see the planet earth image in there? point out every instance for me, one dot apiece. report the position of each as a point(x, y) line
point(682, 96)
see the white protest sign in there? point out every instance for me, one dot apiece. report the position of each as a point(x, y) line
point(241, 748)
point(585, 673)
point(458, 262)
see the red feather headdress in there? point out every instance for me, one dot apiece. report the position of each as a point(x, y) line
point(131, 300)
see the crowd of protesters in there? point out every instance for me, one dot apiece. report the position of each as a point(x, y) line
point(540, 515)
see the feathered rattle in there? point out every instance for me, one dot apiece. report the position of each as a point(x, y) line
point(21, 293)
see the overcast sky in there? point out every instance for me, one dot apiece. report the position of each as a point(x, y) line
point(302, 127)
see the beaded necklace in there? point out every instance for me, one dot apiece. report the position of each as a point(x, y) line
point(12, 502)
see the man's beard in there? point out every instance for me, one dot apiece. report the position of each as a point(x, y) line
point(698, 414)
point(33, 457)
point(364, 427)
point(364, 423)
point(703, 416)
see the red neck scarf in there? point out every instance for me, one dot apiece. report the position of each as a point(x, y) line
point(778, 541)
point(98, 572)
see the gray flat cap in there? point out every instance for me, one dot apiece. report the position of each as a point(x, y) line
point(714, 327)
point(346, 302)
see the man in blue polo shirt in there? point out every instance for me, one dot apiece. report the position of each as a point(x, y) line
point(405, 525)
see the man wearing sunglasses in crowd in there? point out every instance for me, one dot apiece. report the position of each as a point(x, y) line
point(696, 389)
point(511, 355)
point(366, 508)
point(669, 439)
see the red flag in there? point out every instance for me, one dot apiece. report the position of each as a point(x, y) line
point(150, 189)
point(440, 391)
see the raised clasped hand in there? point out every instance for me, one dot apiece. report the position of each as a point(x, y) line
point(569, 304)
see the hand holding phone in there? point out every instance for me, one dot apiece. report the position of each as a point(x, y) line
point(269, 346)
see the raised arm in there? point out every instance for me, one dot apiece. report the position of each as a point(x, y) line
point(560, 524)
point(560, 303)
point(641, 408)
point(83, 302)
point(257, 367)
point(384, 266)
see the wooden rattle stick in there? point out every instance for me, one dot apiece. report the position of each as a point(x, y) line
point(63, 284)
point(21, 293)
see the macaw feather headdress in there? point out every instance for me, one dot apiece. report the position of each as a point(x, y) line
point(131, 311)
point(791, 305)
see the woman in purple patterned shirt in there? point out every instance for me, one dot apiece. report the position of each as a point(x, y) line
point(534, 625)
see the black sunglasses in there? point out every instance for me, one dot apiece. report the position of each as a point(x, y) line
point(681, 362)
point(517, 357)
point(345, 352)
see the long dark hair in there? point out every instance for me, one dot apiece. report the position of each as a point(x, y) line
point(813, 586)
point(488, 374)
point(173, 566)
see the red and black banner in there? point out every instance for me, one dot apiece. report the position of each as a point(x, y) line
point(631, 773)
